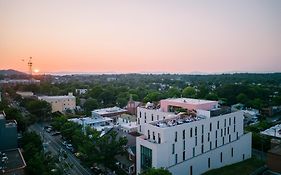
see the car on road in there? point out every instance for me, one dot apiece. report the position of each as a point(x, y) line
point(56, 133)
point(70, 147)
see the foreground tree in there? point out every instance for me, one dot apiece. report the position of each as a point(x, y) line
point(154, 171)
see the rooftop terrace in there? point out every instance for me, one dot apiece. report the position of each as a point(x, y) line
point(179, 119)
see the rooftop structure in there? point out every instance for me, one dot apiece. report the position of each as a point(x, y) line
point(187, 103)
point(60, 103)
point(98, 123)
point(274, 131)
point(113, 112)
point(202, 138)
point(12, 162)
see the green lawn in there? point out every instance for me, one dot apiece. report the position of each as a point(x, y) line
point(242, 168)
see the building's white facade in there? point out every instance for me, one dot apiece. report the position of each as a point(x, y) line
point(98, 123)
point(81, 91)
point(60, 103)
point(190, 145)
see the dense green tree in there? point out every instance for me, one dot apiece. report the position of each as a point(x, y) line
point(189, 92)
point(154, 171)
point(152, 97)
point(89, 105)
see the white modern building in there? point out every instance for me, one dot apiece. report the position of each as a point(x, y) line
point(112, 112)
point(60, 103)
point(98, 123)
point(192, 142)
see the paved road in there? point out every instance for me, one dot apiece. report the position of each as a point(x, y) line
point(54, 144)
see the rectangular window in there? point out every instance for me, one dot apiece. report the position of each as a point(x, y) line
point(243, 156)
point(224, 122)
point(146, 158)
point(153, 135)
point(229, 138)
point(184, 145)
point(218, 124)
point(148, 134)
point(216, 143)
point(176, 158)
point(145, 115)
point(183, 156)
point(190, 170)
point(193, 152)
point(176, 136)
point(210, 126)
point(202, 129)
point(151, 117)
point(202, 149)
point(224, 131)
point(195, 141)
point(231, 152)
point(216, 134)
point(221, 132)
point(223, 140)
point(209, 162)
point(221, 156)
point(234, 120)
point(183, 134)
point(234, 129)
point(173, 149)
point(196, 131)
point(202, 139)
point(208, 137)
point(210, 145)
point(229, 121)
point(227, 130)
point(159, 138)
point(190, 132)
point(236, 135)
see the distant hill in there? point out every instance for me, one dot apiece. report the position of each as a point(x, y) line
point(11, 72)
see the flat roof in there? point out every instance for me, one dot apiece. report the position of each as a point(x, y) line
point(112, 110)
point(188, 100)
point(56, 97)
point(14, 160)
point(90, 120)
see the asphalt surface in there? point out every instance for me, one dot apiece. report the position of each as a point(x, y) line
point(54, 145)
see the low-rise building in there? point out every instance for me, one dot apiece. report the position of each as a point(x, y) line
point(81, 91)
point(113, 112)
point(127, 123)
point(190, 142)
point(98, 123)
point(60, 103)
point(25, 94)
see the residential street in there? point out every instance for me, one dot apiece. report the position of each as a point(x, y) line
point(54, 145)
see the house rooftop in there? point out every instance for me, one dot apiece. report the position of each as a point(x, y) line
point(90, 120)
point(106, 111)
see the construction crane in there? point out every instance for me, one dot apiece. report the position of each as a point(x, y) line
point(30, 66)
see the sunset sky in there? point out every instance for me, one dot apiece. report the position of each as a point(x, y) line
point(123, 36)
